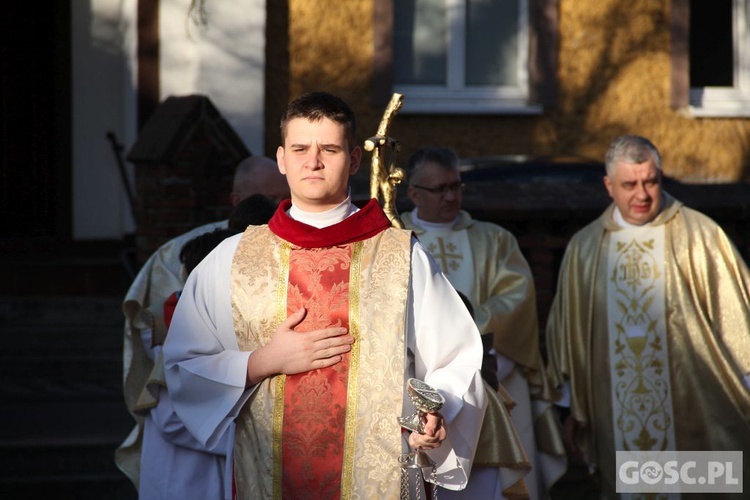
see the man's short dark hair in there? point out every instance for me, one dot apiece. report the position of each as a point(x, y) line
point(315, 106)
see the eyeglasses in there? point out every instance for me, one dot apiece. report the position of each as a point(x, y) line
point(454, 187)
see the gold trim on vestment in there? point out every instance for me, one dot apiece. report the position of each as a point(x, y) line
point(353, 382)
point(548, 433)
point(381, 360)
point(278, 425)
point(499, 445)
point(278, 407)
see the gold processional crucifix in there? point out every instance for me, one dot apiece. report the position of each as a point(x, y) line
point(384, 181)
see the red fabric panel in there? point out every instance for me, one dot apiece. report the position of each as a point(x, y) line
point(169, 307)
point(315, 401)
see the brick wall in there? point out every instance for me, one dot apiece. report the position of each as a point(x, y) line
point(169, 204)
point(184, 159)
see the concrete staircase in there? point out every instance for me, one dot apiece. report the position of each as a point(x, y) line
point(62, 412)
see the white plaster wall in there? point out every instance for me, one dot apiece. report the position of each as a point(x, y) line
point(224, 60)
point(103, 48)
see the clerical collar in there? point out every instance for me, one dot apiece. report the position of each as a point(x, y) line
point(620, 220)
point(324, 219)
point(432, 226)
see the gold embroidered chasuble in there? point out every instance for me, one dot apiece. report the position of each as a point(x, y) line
point(328, 433)
point(484, 262)
point(705, 347)
point(497, 280)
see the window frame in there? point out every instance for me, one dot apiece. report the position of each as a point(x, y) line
point(716, 102)
point(537, 62)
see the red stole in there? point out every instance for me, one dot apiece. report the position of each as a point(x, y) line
point(315, 401)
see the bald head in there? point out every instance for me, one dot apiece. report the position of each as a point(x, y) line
point(258, 174)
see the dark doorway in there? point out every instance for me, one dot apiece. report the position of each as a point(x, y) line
point(35, 174)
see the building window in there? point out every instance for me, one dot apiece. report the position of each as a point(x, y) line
point(711, 45)
point(470, 56)
point(713, 57)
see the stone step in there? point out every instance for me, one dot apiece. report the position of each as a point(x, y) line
point(41, 311)
point(71, 277)
point(63, 412)
point(54, 349)
point(64, 422)
point(65, 489)
point(57, 462)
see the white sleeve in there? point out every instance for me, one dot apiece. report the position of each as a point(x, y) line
point(204, 368)
point(446, 351)
point(173, 430)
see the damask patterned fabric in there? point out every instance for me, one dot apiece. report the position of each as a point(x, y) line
point(330, 419)
point(485, 263)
